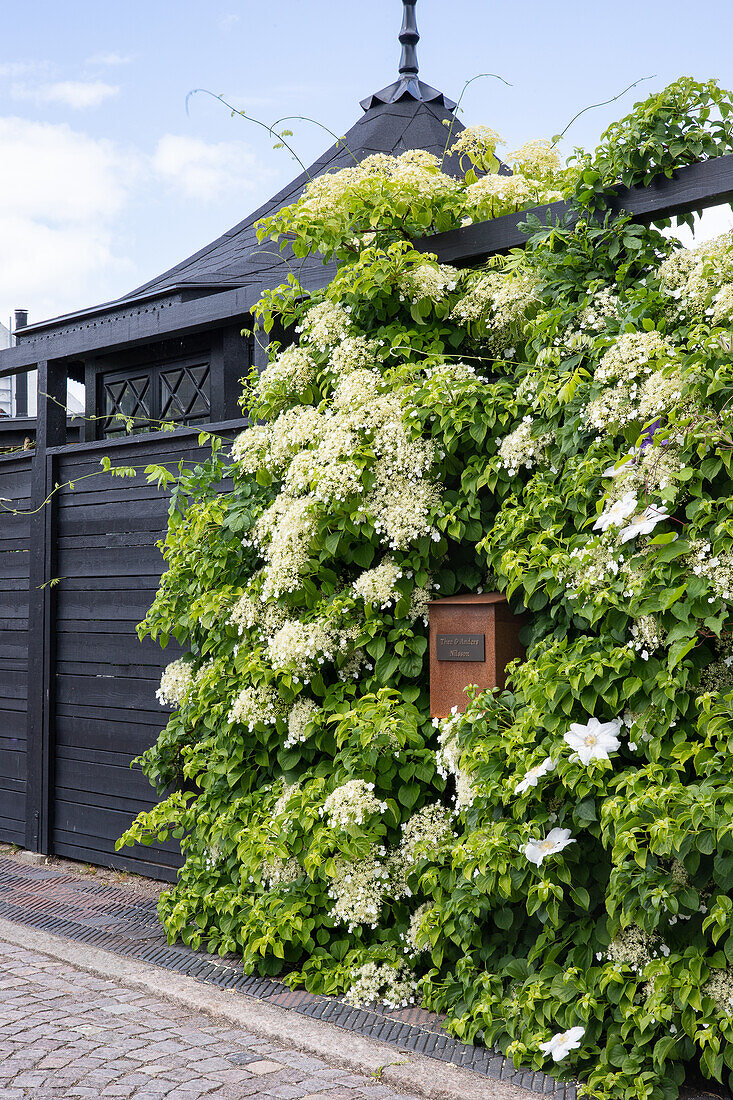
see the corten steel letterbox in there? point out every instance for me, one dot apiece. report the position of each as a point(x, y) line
point(472, 640)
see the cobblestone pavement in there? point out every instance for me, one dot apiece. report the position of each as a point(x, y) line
point(66, 1034)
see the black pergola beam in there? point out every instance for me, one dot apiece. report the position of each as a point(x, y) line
point(694, 187)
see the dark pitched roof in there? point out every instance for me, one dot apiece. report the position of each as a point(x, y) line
point(408, 114)
point(238, 259)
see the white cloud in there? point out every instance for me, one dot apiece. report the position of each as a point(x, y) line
point(58, 207)
point(109, 60)
point(226, 22)
point(206, 170)
point(16, 69)
point(78, 94)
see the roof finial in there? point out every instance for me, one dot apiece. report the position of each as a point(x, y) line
point(408, 85)
point(409, 37)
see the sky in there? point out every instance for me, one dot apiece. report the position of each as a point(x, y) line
point(112, 172)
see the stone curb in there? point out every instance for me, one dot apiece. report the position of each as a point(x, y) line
point(425, 1077)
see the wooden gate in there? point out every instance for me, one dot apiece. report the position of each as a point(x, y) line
point(90, 562)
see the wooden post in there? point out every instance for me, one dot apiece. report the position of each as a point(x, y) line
point(230, 361)
point(260, 348)
point(50, 432)
point(89, 428)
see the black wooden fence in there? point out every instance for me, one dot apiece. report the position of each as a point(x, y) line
point(77, 700)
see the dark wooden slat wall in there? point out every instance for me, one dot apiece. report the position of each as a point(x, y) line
point(15, 478)
point(106, 712)
point(103, 710)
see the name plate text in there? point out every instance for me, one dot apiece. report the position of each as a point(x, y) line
point(461, 647)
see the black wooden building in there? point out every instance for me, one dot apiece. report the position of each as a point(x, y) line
point(77, 689)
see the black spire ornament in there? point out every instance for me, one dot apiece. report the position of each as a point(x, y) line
point(408, 86)
point(409, 38)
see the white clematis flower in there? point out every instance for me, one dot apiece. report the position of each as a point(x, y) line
point(645, 523)
point(617, 513)
point(561, 1044)
point(554, 842)
point(535, 773)
point(593, 741)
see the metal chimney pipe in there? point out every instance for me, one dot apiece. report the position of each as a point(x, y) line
point(21, 380)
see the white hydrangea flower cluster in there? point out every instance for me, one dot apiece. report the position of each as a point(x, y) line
point(414, 177)
point(493, 195)
point(634, 355)
point(635, 722)
point(400, 507)
point(660, 392)
point(594, 317)
point(283, 534)
point(500, 302)
point(520, 448)
point(479, 144)
point(255, 706)
point(281, 806)
point(416, 929)
point(272, 446)
point(326, 324)
point(592, 568)
point(352, 667)
point(537, 159)
point(250, 612)
point(423, 835)
point(351, 804)
point(717, 569)
point(379, 983)
point(646, 636)
point(353, 353)
point(302, 647)
point(356, 389)
point(281, 872)
point(448, 759)
point(719, 987)
point(287, 376)
point(612, 408)
point(175, 683)
point(377, 586)
point(632, 947)
point(326, 471)
point(358, 890)
point(649, 471)
point(302, 713)
point(420, 604)
point(699, 280)
point(251, 447)
point(428, 280)
point(211, 857)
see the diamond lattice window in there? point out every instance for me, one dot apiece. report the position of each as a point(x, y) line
point(184, 394)
point(178, 393)
point(127, 398)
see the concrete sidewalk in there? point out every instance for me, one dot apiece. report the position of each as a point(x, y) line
point(77, 1021)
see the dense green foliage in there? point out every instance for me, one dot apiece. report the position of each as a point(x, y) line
point(557, 862)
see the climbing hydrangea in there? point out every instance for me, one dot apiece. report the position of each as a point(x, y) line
point(552, 857)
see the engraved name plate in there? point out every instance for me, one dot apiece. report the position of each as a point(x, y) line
point(460, 647)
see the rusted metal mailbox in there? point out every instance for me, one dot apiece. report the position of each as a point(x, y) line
point(472, 640)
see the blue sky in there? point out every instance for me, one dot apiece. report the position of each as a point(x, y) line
point(107, 180)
